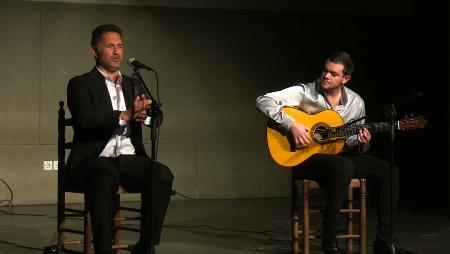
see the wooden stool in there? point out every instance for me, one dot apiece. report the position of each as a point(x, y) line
point(302, 227)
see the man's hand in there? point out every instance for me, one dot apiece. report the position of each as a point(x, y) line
point(301, 135)
point(139, 111)
point(364, 137)
point(141, 105)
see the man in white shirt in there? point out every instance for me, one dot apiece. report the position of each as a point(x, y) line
point(335, 171)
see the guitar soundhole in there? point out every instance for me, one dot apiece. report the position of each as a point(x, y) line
point(320, 133)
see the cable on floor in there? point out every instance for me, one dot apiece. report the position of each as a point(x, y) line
point(21, 246)
point(269, 233)
point(9, 202)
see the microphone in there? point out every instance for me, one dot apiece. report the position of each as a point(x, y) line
point(137, 65)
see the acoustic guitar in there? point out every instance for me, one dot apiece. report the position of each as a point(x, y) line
point(328, 134)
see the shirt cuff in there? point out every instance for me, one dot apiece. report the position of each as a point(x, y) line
point(287, 122)
point(122, 122)
point(147, 121)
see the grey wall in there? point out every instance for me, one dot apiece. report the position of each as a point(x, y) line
point(213, 60)
point(212, 65)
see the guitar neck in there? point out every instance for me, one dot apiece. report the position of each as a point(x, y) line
point(346, 131)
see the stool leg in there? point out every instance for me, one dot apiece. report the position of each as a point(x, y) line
point(87, 233)
point(87, 227)
point(295, 222)
point(305, 217)
point(116, 223)
point(362, 219)
point(349, 226)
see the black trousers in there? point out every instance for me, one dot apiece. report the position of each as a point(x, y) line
point(334, 172)
point(101, 178)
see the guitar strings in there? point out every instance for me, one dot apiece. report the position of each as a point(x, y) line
point(349, 130)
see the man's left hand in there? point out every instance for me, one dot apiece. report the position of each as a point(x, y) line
point(364, 136)
point(141, 106)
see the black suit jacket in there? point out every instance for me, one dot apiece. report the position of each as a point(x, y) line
point(94, 118)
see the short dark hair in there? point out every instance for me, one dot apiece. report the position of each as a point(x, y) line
point(100, 30)
point(344, 58)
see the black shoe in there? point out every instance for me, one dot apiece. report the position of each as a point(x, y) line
point(331, 250)
point(142, 248)
point(382, 246)
point(330, 247)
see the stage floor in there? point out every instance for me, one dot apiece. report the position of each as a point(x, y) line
point(226, 226)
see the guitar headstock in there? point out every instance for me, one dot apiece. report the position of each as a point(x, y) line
point(412, 123)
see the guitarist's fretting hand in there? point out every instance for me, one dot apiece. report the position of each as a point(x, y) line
point(300, 133)
point(364, 136)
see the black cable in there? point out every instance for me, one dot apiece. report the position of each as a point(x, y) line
point(158, 131)
point(157, 86)
point(184, 196)
point(161, 116)
point(145, 89)
point(9, 205)
point(21, 246)
point(28, 214)
point(268, 233)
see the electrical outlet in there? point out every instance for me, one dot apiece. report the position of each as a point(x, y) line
point(55, 165)
point(48, 165)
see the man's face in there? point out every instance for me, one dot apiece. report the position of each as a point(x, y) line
point(109, 51)
point(332, 76)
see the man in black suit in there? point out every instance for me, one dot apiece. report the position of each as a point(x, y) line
point(108, 151)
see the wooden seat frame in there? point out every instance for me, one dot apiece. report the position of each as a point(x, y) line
point(301, 230)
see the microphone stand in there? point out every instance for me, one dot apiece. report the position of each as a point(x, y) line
point(155, 122)
point(391, 114)
point(155, 113)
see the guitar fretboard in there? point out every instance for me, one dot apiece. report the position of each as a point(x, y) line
point(350, 130)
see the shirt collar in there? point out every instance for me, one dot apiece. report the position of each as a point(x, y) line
point(344, 98)
point(108, 78)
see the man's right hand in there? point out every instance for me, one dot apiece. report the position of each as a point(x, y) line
point(141, 103)
point(139, 111)
point(301, 135)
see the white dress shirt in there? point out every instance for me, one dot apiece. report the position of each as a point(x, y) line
point(120, 142)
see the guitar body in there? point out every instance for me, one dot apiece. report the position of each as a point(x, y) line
point(282, 148)
point(327, 132)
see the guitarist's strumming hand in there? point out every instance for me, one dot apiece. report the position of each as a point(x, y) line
point(300, 133)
